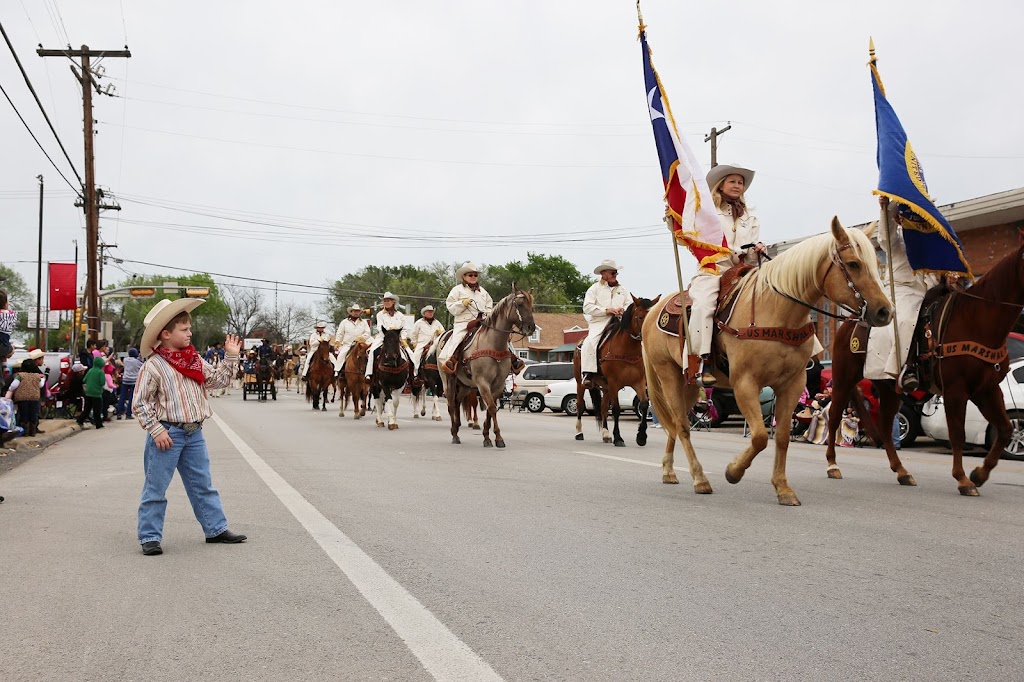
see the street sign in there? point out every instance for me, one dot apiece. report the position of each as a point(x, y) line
point(48, 319)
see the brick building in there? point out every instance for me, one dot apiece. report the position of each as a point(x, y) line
point(989, 227)
point(555, 338)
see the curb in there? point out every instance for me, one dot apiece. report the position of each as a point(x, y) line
point(43, 441)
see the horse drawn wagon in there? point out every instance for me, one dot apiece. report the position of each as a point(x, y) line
point(258, 379)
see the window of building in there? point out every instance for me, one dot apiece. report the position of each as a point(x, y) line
point(524, 353)
point(535, 336)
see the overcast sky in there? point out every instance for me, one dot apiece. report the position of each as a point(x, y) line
point(481, 130)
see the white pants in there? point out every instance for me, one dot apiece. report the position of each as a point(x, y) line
point(458, 333)
point(704, 294)
point(588, 351)
point(417, 353)
point(339, 361)
point(884, 360)
point(378, 341)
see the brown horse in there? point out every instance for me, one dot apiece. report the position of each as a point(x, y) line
point(620, 356)
point(320, 376)
point(840, 265)
point(291, 367)
point(984, 316)
point(352, 380)
point(486, 361)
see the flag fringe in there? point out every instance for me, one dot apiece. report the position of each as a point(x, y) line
point(935, 225)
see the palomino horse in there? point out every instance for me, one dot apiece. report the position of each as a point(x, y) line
point(620, 360)
point(486, 361)
point(427, 378)
point(291, 367)
point(969, 333)
point(390, 373)
point(352, 380)
point(320, 376)
point(840, 265)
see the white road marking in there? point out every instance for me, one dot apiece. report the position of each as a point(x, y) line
point(443, 655)
point(627, 459)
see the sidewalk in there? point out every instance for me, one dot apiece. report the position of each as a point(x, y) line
point(20, 450)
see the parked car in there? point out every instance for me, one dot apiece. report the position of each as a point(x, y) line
point(531, 384)
point(561, 397)
point(55, 364)
point(976, 429)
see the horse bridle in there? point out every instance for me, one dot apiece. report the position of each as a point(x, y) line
point(515, 323)
point(853, 314)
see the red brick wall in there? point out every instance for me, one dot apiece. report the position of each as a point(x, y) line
point(985, 246)
point(573, 337)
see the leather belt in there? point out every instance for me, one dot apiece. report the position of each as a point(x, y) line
point(188, 427)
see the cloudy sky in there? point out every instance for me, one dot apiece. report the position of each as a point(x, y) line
point(300, 141)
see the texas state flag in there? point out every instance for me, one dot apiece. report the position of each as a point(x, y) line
point(695, 222)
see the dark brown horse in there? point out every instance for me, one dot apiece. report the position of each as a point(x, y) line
point(390, 374)
point(352, 380)
point(981, 316)
point(320, 376)
point(620, 359)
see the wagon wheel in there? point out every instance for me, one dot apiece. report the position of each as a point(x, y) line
point(245, 391)
point(273, 391)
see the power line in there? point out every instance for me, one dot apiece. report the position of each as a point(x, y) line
point(38, 144)
point(31, 89)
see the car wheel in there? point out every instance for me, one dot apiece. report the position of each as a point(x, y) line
point(910, 425)
point(636, 407)
point(535, 402)
point(570, 406)
point(1015, 448)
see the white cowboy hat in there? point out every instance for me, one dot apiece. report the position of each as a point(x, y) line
point(426, 308)
point(387, 295)
point(35, 354)
point(319, 325)
point(468, 266)
point(723, 170)
point(606, 265)
point(157, 318)
point(355, 306)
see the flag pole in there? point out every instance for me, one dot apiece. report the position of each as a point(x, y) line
point(892, 286)
point(685, 331)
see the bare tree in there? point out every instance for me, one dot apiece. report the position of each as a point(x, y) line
point(244, 308)
point(290, 322)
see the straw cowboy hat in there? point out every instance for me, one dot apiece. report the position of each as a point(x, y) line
point(606, 265)
point(723, 170)
point(35, 354)
point(387, 295)
point(157, 318)
point(355, 306)
point(468, 266)
point(426, 308)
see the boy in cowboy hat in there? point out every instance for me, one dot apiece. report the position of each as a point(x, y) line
point(604, 299)
point(171, 405)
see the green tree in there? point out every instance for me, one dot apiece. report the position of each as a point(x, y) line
point(129, 314)
point(557, 284)
point(18, 293)
point(415, 285)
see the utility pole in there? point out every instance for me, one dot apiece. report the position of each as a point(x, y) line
point(712, 137)
point(103, 258)
point(89, 204)
point(40, 342)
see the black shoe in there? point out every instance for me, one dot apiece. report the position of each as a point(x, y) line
point(39, 430)
point(118, 417)
point(227, 537)
point(151, 548)
point(80, 423)
point(910, 382)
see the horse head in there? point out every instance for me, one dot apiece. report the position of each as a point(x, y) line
point(521, 310)
point(391, 350)
point(636, 313)
point(851, 277)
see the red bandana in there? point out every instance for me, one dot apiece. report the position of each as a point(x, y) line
point(186, 361)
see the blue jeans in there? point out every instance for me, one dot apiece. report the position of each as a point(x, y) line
point(190, 457)
point(124, 400)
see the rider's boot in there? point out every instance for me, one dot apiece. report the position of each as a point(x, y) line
point(517, 364)
point(587, 380)
point(707, 378)
point(909, 380)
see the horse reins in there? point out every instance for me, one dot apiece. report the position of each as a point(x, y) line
point(853, 314)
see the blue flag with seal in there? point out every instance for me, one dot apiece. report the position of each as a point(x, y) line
point(932, 245)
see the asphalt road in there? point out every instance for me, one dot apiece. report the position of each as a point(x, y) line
point(380, 555)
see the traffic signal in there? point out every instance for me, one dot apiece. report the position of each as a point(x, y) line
point(142, 292)
point(197, 292)
point(78, 316)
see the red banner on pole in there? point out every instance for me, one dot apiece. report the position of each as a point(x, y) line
point(63, 286)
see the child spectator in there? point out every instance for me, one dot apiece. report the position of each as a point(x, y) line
point(132, 365)
point(8, 320)
point(95, 383)
point(27, 391)
point(171, 405)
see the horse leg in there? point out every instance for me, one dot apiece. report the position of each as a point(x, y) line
point(956, 407)
point(393, 409)
point(673, 399)
point(490, 404)
point(840, 399)
point(602, 402)
point(991, 404)
point(454, 408)
point(616, 411)
point(435, 412)
point(323, 405)
point(378, 407)
point(748, 398)
point(785, 403)
point(641, 431)
point(580, 403)
point(888, 406)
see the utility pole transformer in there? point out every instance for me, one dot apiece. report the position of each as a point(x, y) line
point(90, 204)
point(712, 137)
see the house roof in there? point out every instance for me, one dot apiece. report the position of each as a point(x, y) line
point(552, 329)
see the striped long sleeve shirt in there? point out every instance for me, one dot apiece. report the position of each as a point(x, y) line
point(163, 394)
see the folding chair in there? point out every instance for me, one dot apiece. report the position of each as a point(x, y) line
point(767, 413)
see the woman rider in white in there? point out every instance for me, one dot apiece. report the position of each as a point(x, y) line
point(604, 299)
point(388, 318)
point(739, 222)
point(465, 302)
point(424, 331)
point(351, 329)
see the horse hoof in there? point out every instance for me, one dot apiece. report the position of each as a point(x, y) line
point(579, 436)
point(976, 477)
point(641, 440)
point(620, 443)
point(415, 416)
point(704, 488)
point(732, 476)
point(788, 500)
point(392, 427)
point(423, 413)
point(499, 443)
point(907, 479)
point(670, 478)
point(437, 419)
point(487, 444)
point(607, 439)
point(380, 425)
point(476, 427)
point(969, 491)
point(834, 473)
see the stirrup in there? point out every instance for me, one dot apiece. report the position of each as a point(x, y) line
point(707, 380)
point(908, 380)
